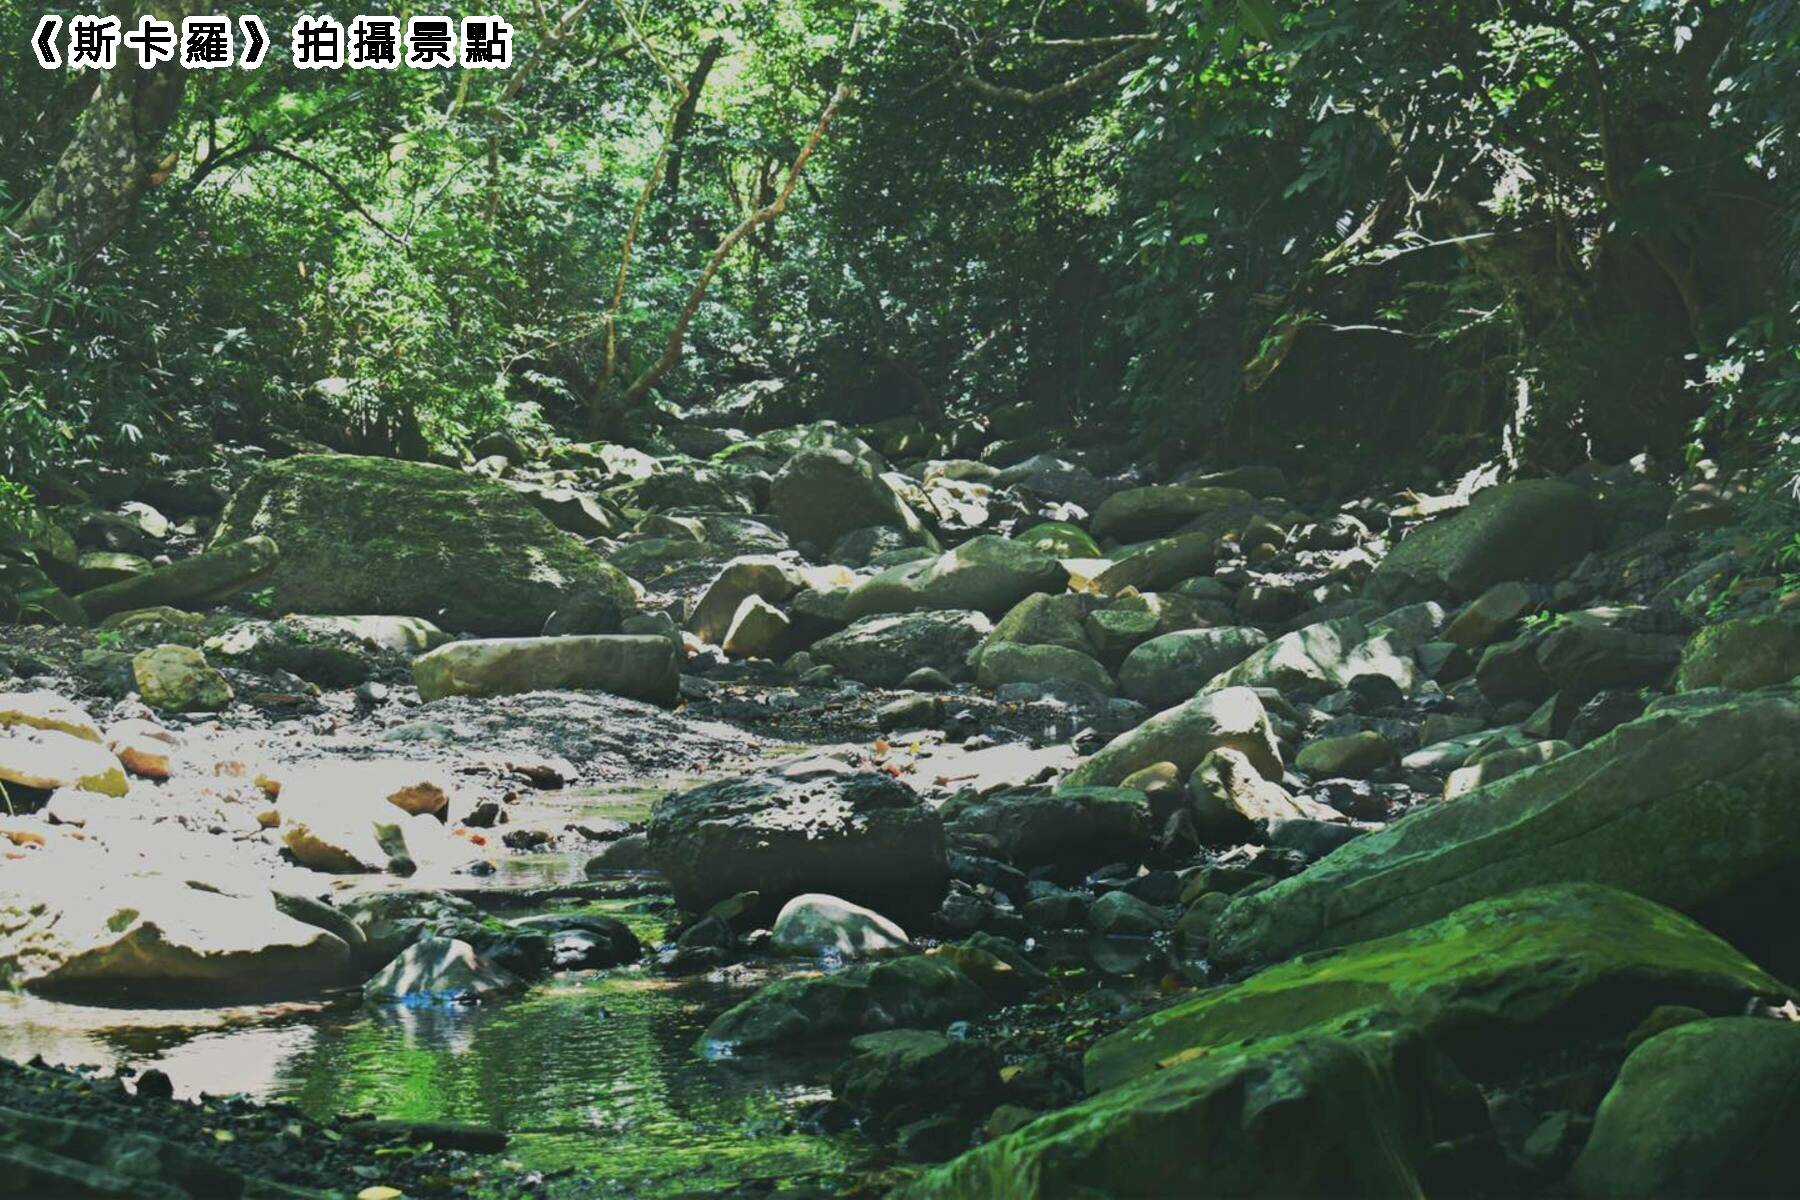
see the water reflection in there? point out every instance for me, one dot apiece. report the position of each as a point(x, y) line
point(592, 1072)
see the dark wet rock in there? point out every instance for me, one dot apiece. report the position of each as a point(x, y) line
point(883, 650)
point(1699, 1111)
point(865, 837)
point(916, 992)
point(1076, 827)
point(583, 942)
point(901, 1076)
point(371, 535)
point(910, 712)
point(1603, 713)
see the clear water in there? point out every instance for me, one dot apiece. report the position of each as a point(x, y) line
point(590, 1071)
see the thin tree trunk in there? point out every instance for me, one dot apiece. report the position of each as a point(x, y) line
point(677, 342)
point(684, 120)
point(116, 154)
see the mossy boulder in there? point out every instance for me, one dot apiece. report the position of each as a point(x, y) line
point(1303, 1116)
point(1167, 670)
point(1530, 529)
point(915, 992)
point(230, 565)
point(377, 535)
point(1060, 540)
point(1184, 735)
point(1691, 806)
point(1752, 652)
point(640, 666)
point(1148, 512)
point(989, 574)
point(1699, 1111)
point(1009, 662)
point(1043, 619)
point(1549, 966)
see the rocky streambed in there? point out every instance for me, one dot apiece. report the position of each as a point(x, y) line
point(752, 818)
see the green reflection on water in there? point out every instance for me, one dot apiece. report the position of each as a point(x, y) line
point(590, 1071)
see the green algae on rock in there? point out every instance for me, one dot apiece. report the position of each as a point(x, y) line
point(1538, 968)
point(377, 535)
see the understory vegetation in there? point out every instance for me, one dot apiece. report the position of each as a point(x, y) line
point(1572, 222)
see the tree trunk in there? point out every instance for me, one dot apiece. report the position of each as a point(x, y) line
point(684, 121)
point(116, 154)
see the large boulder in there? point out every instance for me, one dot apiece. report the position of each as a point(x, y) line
point(990, 574)
point(1306, 664)
point(377, 535)
point(637, 666)
point(1528, 530)
point(1699, 1111)
point(1304, 1116)
point(1748, 653)
point(883, 650)
point(1183, 735)
point(825, 492)
point(1149, 512)
point(1691, 806)
point(1074, 827)
point(156, 936)
point(1492, 982)
point(864, 837)
point(1167, 670)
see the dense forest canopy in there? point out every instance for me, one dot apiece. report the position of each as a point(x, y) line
point(1571, 221)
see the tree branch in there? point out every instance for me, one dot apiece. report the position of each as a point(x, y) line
point(1100, 73)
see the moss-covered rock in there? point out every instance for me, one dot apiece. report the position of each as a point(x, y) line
point(377, 535)
point(990, 574)
point(1525, 530)
point(1752, 652)
point(1186, 734)
point(229, 566)
point(1060, 539)
point(1305, 1116)
point(1569, 963)
point(1148, 512)
point(919, 992)
point(1169, 669)
point(1699, 1111)
point(1691, 806)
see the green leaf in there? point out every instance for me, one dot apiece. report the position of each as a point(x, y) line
point(1258, 16)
